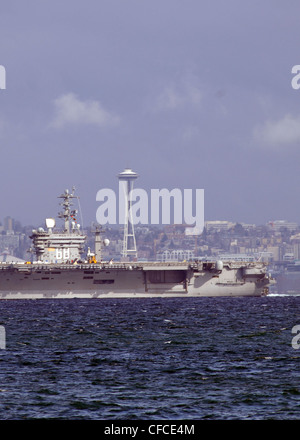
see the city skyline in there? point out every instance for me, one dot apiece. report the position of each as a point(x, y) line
point(277, 242)
point(9, 223)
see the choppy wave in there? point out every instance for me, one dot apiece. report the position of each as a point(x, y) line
point(176, 358)
point(284, 294)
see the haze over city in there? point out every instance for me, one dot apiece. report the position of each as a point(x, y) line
point(188, 94)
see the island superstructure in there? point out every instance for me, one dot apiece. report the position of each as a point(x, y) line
point(64, 246)
point(62, 269)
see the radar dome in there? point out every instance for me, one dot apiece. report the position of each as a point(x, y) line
point(50, 222)
point(219, 265)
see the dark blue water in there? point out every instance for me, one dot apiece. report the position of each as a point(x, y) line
point(209, 358)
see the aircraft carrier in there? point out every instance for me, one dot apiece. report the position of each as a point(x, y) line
point(60, 269)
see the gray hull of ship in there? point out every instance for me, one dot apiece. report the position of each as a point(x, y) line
point(127, 281)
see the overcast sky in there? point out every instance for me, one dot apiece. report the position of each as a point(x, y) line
point(189, 94)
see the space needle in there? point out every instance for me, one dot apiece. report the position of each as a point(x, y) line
point(126, 180)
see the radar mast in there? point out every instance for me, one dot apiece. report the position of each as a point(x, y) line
point(67, 214)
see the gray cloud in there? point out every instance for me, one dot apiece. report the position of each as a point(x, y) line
point(69, 110)
point(175, 96)
point(279, 134)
